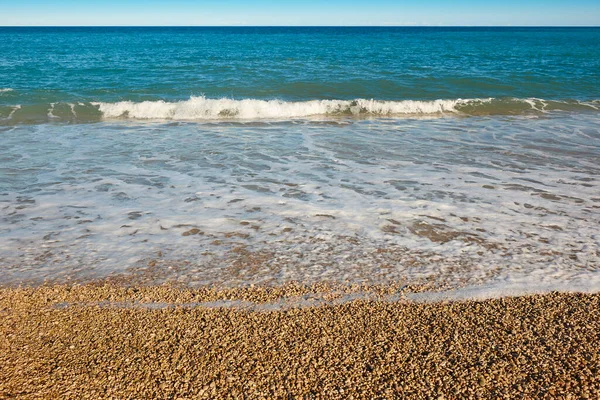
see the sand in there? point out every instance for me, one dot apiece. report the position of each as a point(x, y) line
point(108, 341)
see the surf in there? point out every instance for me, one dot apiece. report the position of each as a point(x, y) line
point(201, 108)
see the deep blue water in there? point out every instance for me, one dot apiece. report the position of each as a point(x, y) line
point(41, 66)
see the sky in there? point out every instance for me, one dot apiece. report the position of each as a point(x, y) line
point(299, 12)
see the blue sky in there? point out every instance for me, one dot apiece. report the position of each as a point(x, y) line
point(299, 12)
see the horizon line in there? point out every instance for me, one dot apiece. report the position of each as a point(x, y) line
point(299, 26)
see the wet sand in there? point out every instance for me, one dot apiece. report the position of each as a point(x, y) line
point(109, 341)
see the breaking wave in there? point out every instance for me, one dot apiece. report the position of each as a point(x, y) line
point(198, 108)
point(202, 108)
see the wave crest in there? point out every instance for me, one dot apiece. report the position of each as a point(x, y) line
point(201, 108)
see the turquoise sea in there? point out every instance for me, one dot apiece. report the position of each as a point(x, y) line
point(452, 157)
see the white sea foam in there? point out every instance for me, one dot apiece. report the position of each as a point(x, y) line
point(590, 283)
point(204, 109)
point(499, 206)
point(6, 90)
point(12, 112)
point(51, 111)
point(201, 108)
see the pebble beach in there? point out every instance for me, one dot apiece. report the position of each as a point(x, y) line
point(101, 341)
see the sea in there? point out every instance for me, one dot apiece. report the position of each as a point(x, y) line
point(446, 158)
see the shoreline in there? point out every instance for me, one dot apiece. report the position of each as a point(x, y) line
point(100, 341)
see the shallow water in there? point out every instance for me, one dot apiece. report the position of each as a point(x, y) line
point(454, 201)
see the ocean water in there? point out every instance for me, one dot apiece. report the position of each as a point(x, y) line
point(452, 157)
